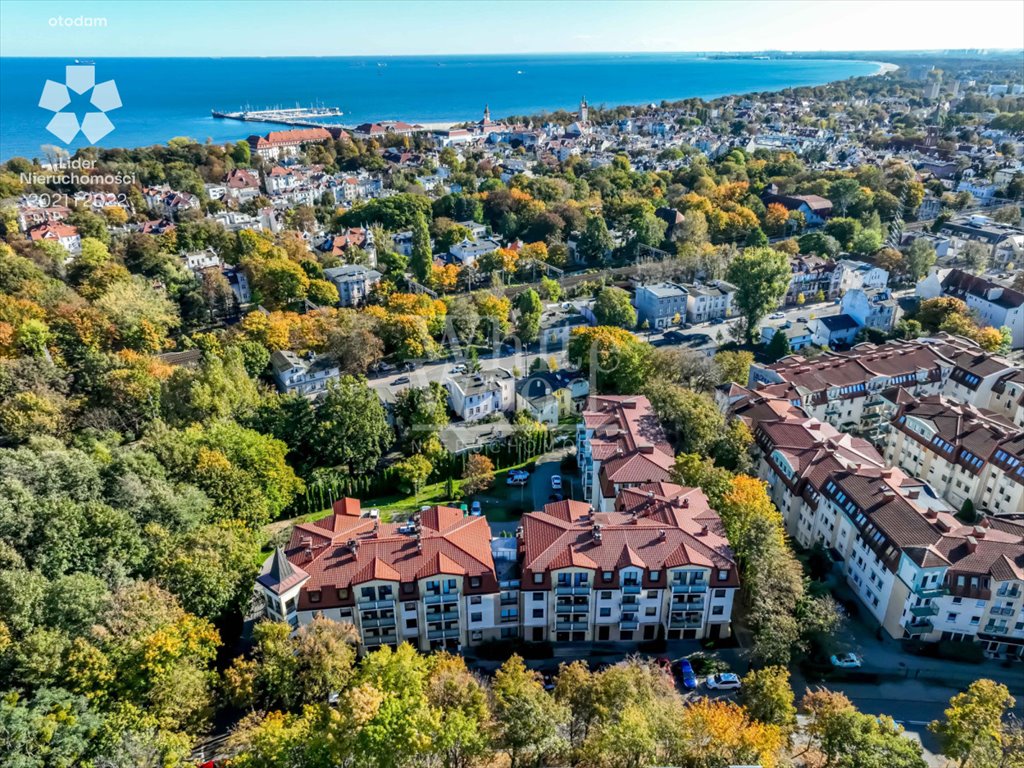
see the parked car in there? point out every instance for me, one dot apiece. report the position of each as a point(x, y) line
point(847, 661)
point(475, 509)
point(724, 681)
point(802, 320)
point(400, 380)
point(776, 315)
point(460, 368)
point(556, 482)
point(518, 477)
point(408, 365)
point(685, 670)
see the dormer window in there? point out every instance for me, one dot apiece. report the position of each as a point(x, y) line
point(314, 597)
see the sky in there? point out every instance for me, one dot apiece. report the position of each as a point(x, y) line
point(407, 27)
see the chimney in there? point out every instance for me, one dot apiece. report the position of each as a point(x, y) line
point(597, 531)
point(972, 544)
point(662, 535)
point(931, 514)
point(913, 494)
point(703, 530)
point(979, 532)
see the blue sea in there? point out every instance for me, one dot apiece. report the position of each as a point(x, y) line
point(164, 98)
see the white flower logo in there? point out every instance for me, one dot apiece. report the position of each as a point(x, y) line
point(65, 125)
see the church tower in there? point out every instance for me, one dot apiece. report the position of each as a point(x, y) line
point(487, 113)
point(584, 112)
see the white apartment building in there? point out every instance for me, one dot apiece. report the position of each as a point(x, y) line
point(962, 452)
point(474, 396)
point(307, 376)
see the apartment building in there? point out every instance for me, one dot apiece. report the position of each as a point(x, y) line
point(846, 389)
point(711, 301)
point(964, 453)
point(474, 396)
point(620, 444)
point(430, 582)
point(994, 304)
point(659, 565)
point(660, 304)
point(354, 283)
point(917, 570)
point(307, 375)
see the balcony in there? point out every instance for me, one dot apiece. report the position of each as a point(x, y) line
point(682, 622)
point(571, 626)
point(450, 615)
point(689, 588)
point(930, 591)
point(447, 597)
point(919, 628)
point(1003, 611)
point(678, 604)
point(512, 618)
point(380, 622)
point(1010, 593)
point(386, 639)
point(375, 605)
point(631, 589)
point(924, 611)
point(510, 600)
point(577, 590)
point(629, 624)
point(443, 634)
point(573, 608)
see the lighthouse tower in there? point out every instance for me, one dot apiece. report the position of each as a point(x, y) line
point(584, 112)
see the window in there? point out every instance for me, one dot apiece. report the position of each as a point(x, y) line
point(538, 613)
point(723, 575)
point(604, 612)
point(717, 610)
point(538, 578)
point(475, 600)
point(476, 617)
point(410, 623)
point(606, 595)
point(367, 593)
point(410, 606)
point(538, 596)
point(626, 634)
point(314, 597)
point(343, 594)
point(719, 593)
point(650, 611)
point(655, 575)
point(474, 581)
point(951, 616)
point(607, 575)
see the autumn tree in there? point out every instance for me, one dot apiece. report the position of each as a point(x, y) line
point(613, 307)
point(526, 719)
point(973, 725)
point(478, 474)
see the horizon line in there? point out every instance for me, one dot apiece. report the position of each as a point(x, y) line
point(707, 52)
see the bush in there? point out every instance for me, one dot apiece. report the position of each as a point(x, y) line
point(707, 665)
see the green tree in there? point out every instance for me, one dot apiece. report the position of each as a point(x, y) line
point(692, 418)
point(420, 413)
point(778, 346)
point(530, 308)
point(277, 282)
point(613, 307)
point(526, 719)
point(422, 256)
point(920, 258)
point(413, 472)
point(351, 426)
point(972, 729)
point(595, 243)
point(734, 366)
point(769, 698)
point(616, 359)
point(761, 277)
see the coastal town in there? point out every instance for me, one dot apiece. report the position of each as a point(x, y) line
point(688, 433)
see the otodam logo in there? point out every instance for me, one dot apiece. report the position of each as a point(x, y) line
point(80, 79)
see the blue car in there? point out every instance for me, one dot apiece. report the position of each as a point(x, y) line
point(686, 673)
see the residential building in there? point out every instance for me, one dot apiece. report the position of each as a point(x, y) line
point(918, 571)
point(711, 301)
point(800, 334)
point(658, 565)
point(65, 235)
point(278, 144)
point(549, 396)
point(430, 582)
point(964, 453)
point(307, 375)
point(857, 274)
point(557, 324)
point(815, 209)
point(661, 304)
point(474, 396)
point(241, 185)
point(620, 444)
point(834, 330)
point(354, 283)
point(872, 308)
point(812, 275)
point(995, 304)
point(468, 250)
point(1004, 241)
